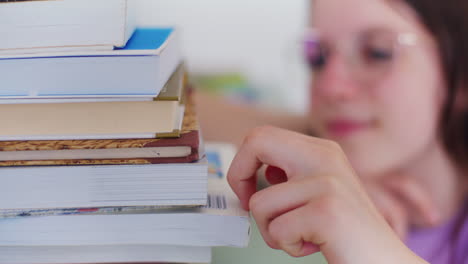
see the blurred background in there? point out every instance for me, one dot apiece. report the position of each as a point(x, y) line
point(247, 49)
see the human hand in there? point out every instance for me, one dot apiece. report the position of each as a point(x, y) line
point(403, 202)
point(322, 205)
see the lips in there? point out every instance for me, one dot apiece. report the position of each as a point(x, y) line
point(344, 127)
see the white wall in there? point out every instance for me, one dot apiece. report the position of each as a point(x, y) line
point(256, 37)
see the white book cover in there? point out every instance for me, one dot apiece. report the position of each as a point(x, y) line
point(222, 222)
point(37, 26)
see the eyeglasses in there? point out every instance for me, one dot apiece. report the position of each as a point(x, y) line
point(369, 56)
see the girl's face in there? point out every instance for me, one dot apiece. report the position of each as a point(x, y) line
point(377, 84)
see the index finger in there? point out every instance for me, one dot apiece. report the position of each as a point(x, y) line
point(267, 145)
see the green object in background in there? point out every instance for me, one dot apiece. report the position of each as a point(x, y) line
point(258, 252)
point(220, 83)
point(231, 85)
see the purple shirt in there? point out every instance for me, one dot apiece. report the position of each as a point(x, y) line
point(439, 245)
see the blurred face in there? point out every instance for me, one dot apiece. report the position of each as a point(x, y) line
point(377, 84)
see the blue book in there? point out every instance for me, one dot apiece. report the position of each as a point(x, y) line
point(140, 69)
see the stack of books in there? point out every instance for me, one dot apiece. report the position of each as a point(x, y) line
point(101, 157)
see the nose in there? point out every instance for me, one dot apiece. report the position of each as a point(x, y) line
point(335, 82)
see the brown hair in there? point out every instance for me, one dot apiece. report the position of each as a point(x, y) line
point(447, 20)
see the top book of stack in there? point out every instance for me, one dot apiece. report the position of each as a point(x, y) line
point(65, 25)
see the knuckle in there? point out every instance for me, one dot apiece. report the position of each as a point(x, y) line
point(327, 145)
point(256, 134)
point(278, 230)
point(334, 151)
point(280, 233)
point(332, 145)
point(329, 152)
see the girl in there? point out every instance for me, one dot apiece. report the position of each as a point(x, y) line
point(389, 104)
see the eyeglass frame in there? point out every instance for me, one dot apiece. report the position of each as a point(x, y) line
point(401, 40)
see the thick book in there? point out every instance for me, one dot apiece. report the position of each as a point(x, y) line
point(178, 184)
point(173, 90)
point(61, 25)
point(222, 222)
point(140, 69)
point(183, 149)
point(104, 254)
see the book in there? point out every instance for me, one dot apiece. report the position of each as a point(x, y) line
point(172, 91)
point(62, 120)
point(96, 120)
point(65, 25)
point(140, 69)
point(33, 187)
point(104, 254)
point(183, 149)
point(222, 222)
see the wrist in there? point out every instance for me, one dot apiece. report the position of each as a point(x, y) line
point(369, 248)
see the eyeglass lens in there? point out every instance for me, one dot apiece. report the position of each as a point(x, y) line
point(369, 56)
